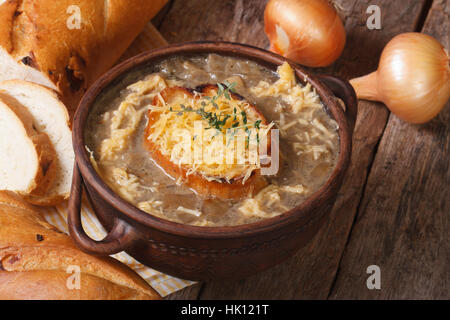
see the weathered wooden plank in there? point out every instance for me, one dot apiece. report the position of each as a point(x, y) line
point(159, 18)
point(227, 20)
point(310, 274)
point(189, 293)
point(403, 222)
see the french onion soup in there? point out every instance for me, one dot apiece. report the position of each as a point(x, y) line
point(211, 140)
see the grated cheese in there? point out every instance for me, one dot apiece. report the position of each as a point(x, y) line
point(178, 136)
point(290, 124)
point(295, 189)
point(196, 213)
point(282, 121)
point(126, 118)
point(151, 206)
point(322, 128)
point(251, 207)
point(127, 185)
point(92, 159)
point(269, 197)
point(316, 150)
point(291, 92)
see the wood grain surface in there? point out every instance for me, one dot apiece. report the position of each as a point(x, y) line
point(393, 207)
point(403, 222)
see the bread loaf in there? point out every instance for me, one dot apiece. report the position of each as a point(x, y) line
point(27, 157)
point(67, 44)
point(39, 262)
point(50, 117)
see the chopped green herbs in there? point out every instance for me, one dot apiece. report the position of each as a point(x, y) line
point(218, 121)
point(223, 89)
point(244, 117)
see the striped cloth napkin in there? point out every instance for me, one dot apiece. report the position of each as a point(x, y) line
point(149, 39)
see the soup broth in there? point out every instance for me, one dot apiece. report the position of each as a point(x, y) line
point(308, 139)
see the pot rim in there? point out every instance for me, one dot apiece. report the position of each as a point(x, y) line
point(304, 210)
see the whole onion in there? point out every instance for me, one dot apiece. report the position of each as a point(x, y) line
point(309, 32)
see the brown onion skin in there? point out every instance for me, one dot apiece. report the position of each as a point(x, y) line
point(412, 80)
point(396, 62)
point(317, 35)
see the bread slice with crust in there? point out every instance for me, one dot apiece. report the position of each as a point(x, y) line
point(39, 262)
point(50, 117)
point(224, 181)
point(27, 156)
point(67, 44)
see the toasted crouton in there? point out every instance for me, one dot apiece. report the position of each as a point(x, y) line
point(178, 108)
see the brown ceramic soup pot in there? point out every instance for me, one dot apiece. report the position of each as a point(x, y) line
point(205, 253)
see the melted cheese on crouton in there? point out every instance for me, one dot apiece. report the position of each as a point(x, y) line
point(219, 140)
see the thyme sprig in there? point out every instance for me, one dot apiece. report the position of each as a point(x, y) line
point(218, 121)
point(223, 90)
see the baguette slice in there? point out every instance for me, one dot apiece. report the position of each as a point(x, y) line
point(27, 157)
point(67, 44)
point(35, 257)
point(50, 117)
point(52, 285)
point(216, 186)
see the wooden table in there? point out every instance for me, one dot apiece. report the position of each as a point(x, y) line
point(393, 209)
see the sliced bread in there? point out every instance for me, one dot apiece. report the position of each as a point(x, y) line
point(67, 44)
point(38, 262)
point(221, 180)
point(27, 157)
point(50, 117)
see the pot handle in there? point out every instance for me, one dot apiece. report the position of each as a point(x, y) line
point(121, 236)
point(344, 91)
